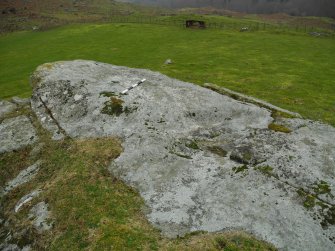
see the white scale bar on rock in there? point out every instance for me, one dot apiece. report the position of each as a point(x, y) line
point(133, 86)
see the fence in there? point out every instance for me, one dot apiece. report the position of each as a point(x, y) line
point(249, 26)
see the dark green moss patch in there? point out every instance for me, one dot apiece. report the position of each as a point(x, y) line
point(309, 201)
point(108, 94)
point(268, 170)
point(113, 106)
point(278, 128)
point(322, 188)
point(238, 169)
point(217, 150)
point(193, 145)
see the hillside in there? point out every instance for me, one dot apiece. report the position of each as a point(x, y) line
point(292, 7)
point(43, 14)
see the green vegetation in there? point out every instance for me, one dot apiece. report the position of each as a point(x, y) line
point(193, 145)
point(266, 170)
point(238, 169)
point(322, 188)
point(308, 199)
point(113, 106)
point(108, 94)
point(294, 71)
point(278, 128)
point(237, 242)
point(217, 150)
point(90, 208)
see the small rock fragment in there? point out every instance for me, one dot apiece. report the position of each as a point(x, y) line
point(6, 107)
point(25, 199)
point(40, 215)
point(168, 61)
point(77, 97)
point(16, 133)
point(21, 101)
point(24, 176)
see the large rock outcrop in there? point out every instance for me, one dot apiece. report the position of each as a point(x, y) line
point(201, 160)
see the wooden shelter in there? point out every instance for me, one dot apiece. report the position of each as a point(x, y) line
point(195, 24)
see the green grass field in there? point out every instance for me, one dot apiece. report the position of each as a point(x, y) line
point(294, 71)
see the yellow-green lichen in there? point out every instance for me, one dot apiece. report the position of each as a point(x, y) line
point(238, 169)
point(193, 145)
point(217, 150)
point(278, 128)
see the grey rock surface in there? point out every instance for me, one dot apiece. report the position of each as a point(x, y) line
point(24, 176)
point(13, 247)
point(9, 247)
point(16, 133)
point(200, 160)
point(25, 199)
point(21, 101)
point(41, 217)
point(6, 107)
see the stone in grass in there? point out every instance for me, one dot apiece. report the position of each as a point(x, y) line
point(16, 133)
point(6, 107)
point(25, 199)
point(41, 217)
point(23, 177)
point(168, 61)
point(13, 247)
point(21, 101)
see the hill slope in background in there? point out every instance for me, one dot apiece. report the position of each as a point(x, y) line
point(23, 15)
point(292, 7)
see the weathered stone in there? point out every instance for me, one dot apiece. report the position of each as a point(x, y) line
point(168, 61)
point(21, 101)
point(13, 247)
point(41, 217)
point(16, 133)
point(24, 176)
point(168, 128)
point(25, 199)
point(9, 247)
point(6, 107)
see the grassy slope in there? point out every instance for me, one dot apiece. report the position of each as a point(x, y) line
point(294, 71)
point(92, 210)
